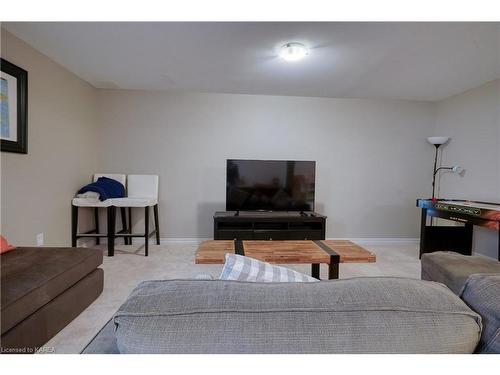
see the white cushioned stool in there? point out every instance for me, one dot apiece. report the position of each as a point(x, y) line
point(142, 192)
point(96, 204)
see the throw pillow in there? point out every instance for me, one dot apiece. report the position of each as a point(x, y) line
point(242, 268)
point(5, 246)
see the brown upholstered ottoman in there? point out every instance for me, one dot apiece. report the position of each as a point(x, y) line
point(42, 290)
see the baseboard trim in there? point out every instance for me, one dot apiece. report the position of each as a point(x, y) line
point(196, 241)
point(381, 240)
point(181, 240)
point(358, 240)
point(172, 241)
point(86, 242)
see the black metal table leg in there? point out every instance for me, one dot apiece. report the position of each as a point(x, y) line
point(333, 266)
point(239, 248)
point(333, 270)
point(111, 216)
point(469, 230)
point(315, 271)
point(423, 225)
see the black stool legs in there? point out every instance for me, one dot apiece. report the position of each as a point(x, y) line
point(146, 227)
point(74, 224)
point(129, 239)
point(111, 230)
point(146, 230)
point(124, 224)
point(96, 221)
point(157, 228)
point(111, 227)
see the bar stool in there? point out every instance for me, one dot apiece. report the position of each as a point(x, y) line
point(142, 192)
point(95, 205)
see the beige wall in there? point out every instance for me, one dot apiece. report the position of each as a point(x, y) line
point(472, 120)
point(372, 157)
point(37, 188)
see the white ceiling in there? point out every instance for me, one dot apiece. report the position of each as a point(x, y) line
point(421, 61)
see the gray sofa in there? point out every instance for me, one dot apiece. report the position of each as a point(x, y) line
point(476, 280)
point(361, 315)
point(453, 269)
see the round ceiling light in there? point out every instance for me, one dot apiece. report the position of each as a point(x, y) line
point(293, 51)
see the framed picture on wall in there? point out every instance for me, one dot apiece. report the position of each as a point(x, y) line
point(14, 106)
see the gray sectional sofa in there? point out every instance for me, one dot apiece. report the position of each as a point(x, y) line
point(363, 315)
point(360, 315)
point(476, 280)
point(454, 269)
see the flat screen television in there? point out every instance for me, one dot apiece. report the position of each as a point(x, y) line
point(270, 185)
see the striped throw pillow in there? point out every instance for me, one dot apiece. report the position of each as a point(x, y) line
point(242, 268)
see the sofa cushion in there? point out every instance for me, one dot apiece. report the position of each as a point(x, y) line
point(242, 268)
point(453, 269)
point(362, 315)
point(482, 294)
point(33, 276)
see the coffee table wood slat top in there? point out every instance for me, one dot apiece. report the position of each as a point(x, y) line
point(284, 252)
point(349, 252)
point(213, 251)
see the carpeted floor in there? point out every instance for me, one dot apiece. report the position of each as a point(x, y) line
point(176, 261)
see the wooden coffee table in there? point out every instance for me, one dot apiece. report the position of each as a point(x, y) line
point(331, 252)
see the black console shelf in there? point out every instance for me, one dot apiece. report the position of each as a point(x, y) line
point(230, 225)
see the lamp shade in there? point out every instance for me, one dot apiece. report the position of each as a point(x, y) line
point(437, 141)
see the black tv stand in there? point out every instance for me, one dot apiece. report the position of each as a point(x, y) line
point(262, 225)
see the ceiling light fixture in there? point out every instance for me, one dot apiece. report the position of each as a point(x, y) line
point(293, 51)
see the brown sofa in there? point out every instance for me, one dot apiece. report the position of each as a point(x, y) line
point(42, 290)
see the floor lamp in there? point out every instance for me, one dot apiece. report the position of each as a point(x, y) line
point(437, 142)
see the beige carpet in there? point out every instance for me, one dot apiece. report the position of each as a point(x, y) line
point(129, 267)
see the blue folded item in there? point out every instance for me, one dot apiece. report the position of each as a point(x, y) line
point(106, 187)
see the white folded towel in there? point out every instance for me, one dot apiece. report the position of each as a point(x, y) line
point(89, 195)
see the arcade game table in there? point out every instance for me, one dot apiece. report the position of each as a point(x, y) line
point(455, 238)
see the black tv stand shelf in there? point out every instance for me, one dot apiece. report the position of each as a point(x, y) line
point(277, 225)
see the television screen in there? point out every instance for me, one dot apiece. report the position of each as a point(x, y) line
point(270, 185)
